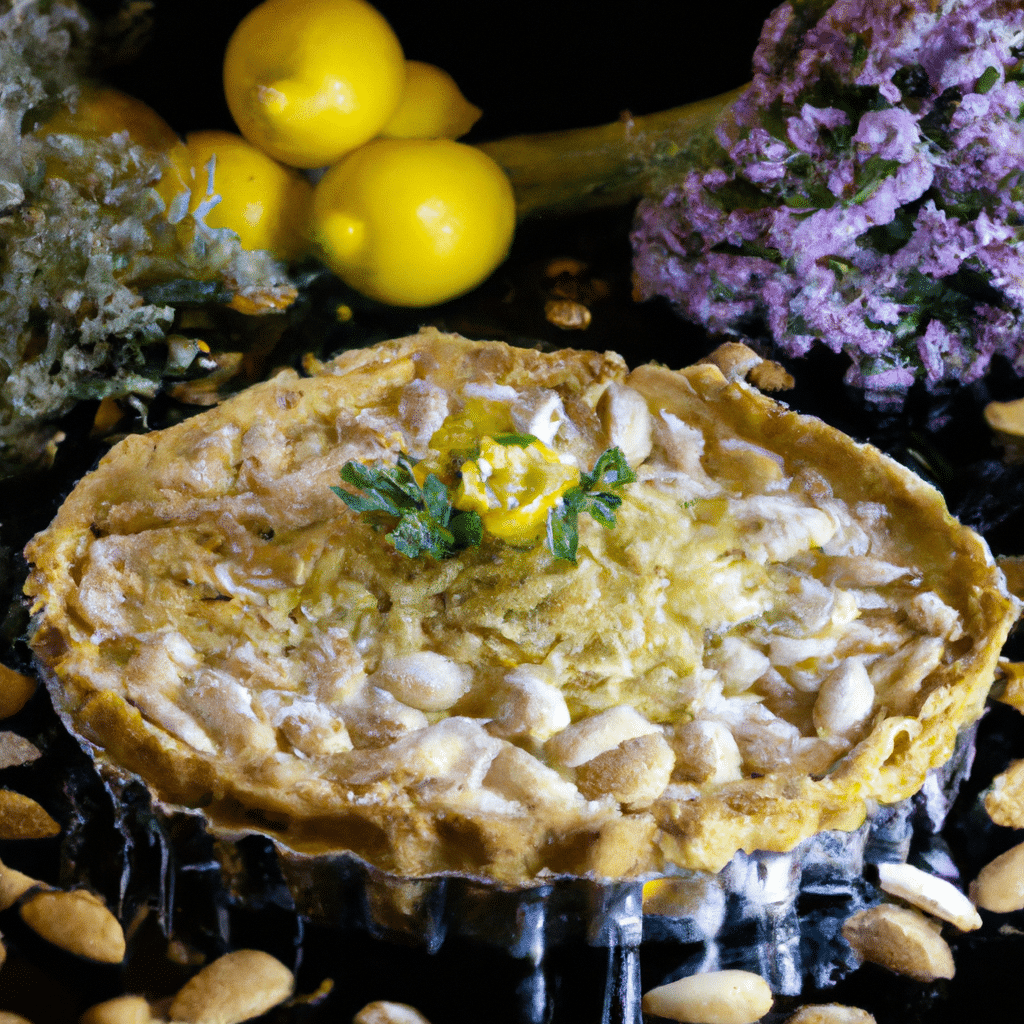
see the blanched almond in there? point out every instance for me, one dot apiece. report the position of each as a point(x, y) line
point(22, 818)
point(929, 893)
point(901, 940)
point(235, 987)
point(383, 1012)
point(999, 886)
point(719, 997)
point(15, 690)
point(13, 885)
point(121, 1010)
point(77, 921)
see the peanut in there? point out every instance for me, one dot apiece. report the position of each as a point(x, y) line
point(13, 885)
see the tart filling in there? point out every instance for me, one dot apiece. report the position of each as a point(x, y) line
point(781, 628)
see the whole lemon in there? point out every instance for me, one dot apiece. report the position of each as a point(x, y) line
point(309, 80)
point(413, 222)
point(240, 188)
point(432, 106)
point(102, 111)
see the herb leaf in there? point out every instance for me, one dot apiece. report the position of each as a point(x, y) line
point(418, 520)
point(421, 520)
point(592, 496)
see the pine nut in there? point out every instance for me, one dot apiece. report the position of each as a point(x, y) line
point(999, 886)
point(719, 997)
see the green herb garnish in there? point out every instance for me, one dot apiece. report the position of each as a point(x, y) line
point(423, 521)
point(419, 520)
point(590, 495)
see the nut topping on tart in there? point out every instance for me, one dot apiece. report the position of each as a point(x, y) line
point(778, 627)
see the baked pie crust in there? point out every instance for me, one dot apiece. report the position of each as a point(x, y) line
point(783, 628)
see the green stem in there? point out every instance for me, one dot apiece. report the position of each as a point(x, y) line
point(584, 168)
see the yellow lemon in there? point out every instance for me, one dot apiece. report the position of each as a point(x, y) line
point(266, 204)
point(102, 111)
point(413, 222)
point(432, 106)
point(309, 80)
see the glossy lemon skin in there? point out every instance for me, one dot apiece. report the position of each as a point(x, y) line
point(102, 111)
point(432, 106)
point(310, 80)
point(266, 204)
point(413, 222)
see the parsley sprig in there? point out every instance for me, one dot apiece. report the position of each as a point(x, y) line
point(421, 520)
point(591, 495)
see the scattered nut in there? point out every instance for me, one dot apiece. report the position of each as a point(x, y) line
point(1005, 800)
point(121, 1010)
point(13, 885)
point(740, 362)
point(901, 940)
point(719, 997)
point(565, 265)
point(567, 314)
point(77, 921)
point(383, 1012)
point(22, 818)
point(830, 1013)
point(1006, 421)
point(16, 750)
point(6, 1017)
point(233, 988)
point(929, 893)
point(999, 886)
point(15, 690)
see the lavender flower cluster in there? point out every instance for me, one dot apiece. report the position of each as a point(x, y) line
point(869, 195)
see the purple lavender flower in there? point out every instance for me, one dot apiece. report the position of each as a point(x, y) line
point(869, 196)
